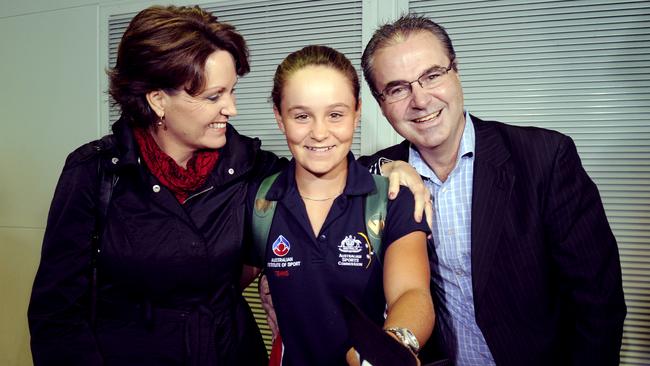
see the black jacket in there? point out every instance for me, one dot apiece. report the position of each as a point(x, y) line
point(168, 274)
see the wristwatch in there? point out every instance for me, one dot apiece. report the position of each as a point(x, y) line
point(406, 337)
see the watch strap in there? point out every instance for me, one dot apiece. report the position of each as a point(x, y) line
point(407, 338)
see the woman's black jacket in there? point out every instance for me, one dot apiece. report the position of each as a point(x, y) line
point(167, 274)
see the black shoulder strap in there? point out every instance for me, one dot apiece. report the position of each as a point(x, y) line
point(107, 181)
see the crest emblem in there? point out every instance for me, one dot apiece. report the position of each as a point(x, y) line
point(350, 244)
point(281, 246)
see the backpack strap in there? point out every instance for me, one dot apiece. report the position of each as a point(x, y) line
point(375, 213)
point(107, 181)
point(263, 211)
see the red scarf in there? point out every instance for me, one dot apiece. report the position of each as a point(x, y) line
point(177, 179)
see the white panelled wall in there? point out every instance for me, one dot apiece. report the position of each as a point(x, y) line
point(580, 67)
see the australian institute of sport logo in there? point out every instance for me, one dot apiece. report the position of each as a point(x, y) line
point(281, 262)
point(281, 246)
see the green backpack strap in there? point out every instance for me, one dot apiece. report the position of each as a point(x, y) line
point(263, 211)
point(375, 212)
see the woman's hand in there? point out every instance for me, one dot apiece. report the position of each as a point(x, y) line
point(402, 173)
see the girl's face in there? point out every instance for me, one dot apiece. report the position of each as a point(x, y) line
point(199, 122)
point(318, 117)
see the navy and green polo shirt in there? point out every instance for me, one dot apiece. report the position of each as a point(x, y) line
point(310, 275)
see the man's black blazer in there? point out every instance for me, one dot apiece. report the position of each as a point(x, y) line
point(546, 274)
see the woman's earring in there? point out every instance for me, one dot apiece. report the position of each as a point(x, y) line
point(161, 122)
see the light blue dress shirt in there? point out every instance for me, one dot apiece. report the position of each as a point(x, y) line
point(452, 236)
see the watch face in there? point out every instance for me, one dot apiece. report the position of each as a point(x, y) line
point(411, 339)
point(406, 337)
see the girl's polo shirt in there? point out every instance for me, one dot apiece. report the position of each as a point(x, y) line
point(310, 275)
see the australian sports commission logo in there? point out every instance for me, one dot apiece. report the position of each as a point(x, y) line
point(350, 251)
point(350, 244)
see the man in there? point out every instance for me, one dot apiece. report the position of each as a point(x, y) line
point(527, 269)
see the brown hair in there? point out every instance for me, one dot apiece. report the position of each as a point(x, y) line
point(391, 33)
point(165, 48)
point(313, 56)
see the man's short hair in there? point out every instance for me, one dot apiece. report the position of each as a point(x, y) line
point(392, 33)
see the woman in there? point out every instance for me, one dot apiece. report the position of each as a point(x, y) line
point(317, 252)
point(167, 288)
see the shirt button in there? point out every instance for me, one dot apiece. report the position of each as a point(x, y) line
point(459, 272)
point(156, 188)
point(444, 189)
point(114, 160)
point(231, 171)
point(322, 237)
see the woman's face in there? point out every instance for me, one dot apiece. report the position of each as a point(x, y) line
point(199, 122)
point(318, 117)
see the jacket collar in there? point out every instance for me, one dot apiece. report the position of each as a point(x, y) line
point(236, 157)
point(490, 147)
point(126, 149)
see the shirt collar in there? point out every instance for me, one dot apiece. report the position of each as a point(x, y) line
point(359, 182)
point(466, 150)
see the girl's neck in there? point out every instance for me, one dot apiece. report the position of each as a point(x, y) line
point(318, 192)
point(323, 187)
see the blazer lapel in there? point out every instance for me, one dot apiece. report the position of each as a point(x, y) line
point(493, 182)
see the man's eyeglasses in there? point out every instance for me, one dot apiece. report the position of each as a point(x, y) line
point(402, 90)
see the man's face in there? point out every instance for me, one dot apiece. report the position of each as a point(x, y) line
point(431, 119)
